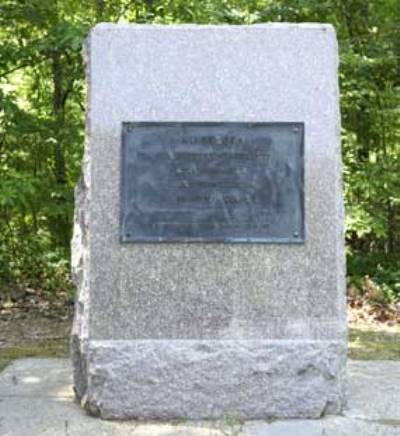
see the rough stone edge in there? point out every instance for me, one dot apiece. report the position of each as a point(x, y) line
point(340, 239)
point(210, 379)
point(80, 260)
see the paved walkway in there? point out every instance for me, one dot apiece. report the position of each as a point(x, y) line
point(36, 399)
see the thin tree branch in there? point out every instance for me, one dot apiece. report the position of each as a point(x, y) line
point(24, 65)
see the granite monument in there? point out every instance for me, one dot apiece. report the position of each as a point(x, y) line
point(208, 247)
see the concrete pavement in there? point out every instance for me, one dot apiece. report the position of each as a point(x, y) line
point(36, 399)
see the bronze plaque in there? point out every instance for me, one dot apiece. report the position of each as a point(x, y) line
point(212, 182)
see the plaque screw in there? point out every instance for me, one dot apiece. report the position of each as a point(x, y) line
point(295, 129)
point(296, 234)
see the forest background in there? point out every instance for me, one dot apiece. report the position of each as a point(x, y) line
point(42, 114)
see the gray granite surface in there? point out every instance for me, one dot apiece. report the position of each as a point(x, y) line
point(250, 379)
point(208, 292)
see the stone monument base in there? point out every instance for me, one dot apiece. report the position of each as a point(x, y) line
point(204, 379)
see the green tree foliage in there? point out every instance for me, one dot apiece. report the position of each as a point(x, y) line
point(42, 102)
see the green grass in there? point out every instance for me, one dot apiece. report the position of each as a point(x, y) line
point(49, 348)
point(371, 344)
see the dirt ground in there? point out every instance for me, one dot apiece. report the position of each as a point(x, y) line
point(33, 334)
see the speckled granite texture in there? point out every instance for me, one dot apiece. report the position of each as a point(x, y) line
point(151, 317)
point(210, 379)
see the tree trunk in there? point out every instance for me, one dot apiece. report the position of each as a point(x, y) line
point(60, 224)
point(391, 228)
point(100, 6)
point(58, 114)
